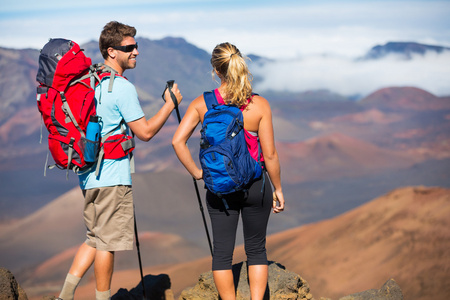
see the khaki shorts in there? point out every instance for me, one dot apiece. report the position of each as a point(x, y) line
point(109, 218)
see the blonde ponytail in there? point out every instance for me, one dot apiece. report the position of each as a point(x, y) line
point(228, 62)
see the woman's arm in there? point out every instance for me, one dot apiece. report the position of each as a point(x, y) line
point(266, 138)
point(182, 135)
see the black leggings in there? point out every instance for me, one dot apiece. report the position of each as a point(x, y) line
point(255, 206)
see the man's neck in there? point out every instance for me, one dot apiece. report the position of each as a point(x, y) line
point(114, 66)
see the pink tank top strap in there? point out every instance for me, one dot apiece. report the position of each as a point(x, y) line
point(221, 101)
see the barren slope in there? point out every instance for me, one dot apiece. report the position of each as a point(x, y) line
point(402, 235)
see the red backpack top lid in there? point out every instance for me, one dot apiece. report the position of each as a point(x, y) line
point(56, 68)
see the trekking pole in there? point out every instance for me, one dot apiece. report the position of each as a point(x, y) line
point(174, 98)
point(139, 256)
point(175, 101)
point(203, 215)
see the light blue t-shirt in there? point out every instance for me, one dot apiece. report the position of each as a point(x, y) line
point(121, 103)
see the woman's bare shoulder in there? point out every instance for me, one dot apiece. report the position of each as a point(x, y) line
point(198, 102)
point(198, 105)
point(260, 102)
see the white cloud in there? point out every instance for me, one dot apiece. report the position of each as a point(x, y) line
point(349, 77)
point(280, 29)
point(294, 32)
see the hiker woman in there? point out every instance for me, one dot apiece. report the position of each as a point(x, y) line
point(254, 205)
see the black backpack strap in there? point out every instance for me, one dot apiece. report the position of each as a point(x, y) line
point(210, 99)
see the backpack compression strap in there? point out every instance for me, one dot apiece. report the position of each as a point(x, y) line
point(69, 115)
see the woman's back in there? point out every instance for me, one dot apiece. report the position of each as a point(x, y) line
point(253, 113)
point(235, 87)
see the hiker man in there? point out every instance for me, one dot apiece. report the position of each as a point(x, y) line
point(254, 205)
point(108, 208)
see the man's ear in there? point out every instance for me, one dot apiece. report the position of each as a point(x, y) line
point(111, 53)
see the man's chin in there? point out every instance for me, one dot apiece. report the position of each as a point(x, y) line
point(132, 65)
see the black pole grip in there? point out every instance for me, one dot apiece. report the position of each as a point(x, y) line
point(169, 86)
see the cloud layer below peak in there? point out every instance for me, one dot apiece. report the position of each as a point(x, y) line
point(350, 77)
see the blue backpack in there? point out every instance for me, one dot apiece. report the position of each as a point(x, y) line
point(227, 164)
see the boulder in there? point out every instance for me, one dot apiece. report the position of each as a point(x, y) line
point(389, 291)
point(283, 285)
point(9, 288)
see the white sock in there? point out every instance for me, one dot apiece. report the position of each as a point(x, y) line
point(68, 290)
point(106, 295)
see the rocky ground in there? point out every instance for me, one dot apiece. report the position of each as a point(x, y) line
point(282, 285)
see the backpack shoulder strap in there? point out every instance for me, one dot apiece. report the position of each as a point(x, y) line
point(102, 71)
point(210, 99)
point(107, 71)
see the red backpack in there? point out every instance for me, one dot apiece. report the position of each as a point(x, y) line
point(65, 99)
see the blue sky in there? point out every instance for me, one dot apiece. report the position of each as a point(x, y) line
point(313, 42)
point(276, 29)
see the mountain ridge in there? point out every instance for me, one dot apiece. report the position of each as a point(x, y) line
point(160, 60)
point(410, 98)
point(404, 49)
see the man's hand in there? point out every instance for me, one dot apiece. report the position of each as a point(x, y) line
point(176, 92)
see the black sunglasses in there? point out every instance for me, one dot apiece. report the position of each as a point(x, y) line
point(127, 48)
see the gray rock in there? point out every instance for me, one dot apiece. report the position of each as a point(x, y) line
point(283, 285)
point(9, 288)
point(389, 291)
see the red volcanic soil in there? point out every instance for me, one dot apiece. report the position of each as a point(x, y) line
point(406, 98)
point(371, 116)
point(336, 156)
point(402, 235)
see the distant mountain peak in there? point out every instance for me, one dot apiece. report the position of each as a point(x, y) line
point(173, 41)
point(409, 98)
point(404, 49)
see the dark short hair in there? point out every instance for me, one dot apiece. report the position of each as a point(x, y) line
point(112, 35)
